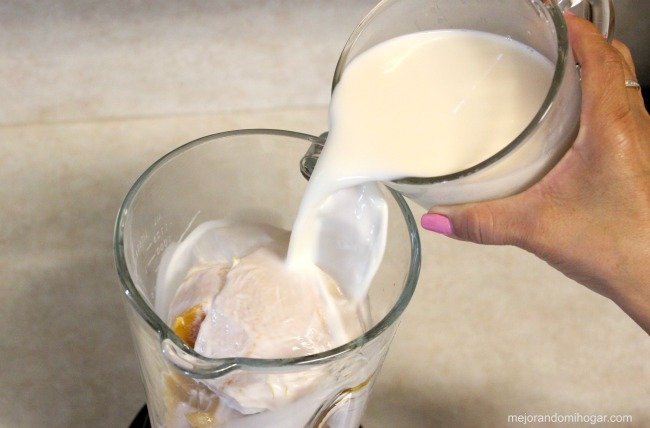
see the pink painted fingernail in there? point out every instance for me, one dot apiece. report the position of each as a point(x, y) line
point(437, 223)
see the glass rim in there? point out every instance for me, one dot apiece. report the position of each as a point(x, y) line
point(204, 367)
point(562, 39)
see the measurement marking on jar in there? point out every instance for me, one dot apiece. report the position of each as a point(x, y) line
point(159, 242)
point(189, 225)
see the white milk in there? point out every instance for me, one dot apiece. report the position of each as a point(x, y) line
point(421, 105)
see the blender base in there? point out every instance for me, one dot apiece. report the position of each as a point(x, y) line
point(141, 420)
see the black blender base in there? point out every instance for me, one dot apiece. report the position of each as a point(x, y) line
point(141, 419)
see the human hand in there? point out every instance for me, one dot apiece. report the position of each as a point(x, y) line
point(589, 217)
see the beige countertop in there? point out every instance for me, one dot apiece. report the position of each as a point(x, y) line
point(93, 95)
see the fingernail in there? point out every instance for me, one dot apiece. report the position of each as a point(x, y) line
point(437, 223)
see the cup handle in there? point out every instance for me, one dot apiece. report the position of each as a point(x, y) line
point(600, 12)
point(308, 161)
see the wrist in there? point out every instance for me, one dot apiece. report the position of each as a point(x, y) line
point(629, 283)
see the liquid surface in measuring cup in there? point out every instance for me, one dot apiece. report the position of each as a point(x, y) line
point(421, 105)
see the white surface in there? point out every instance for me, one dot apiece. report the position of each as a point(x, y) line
point(68, 60)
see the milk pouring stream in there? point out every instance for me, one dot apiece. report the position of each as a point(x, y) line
point(421, 105)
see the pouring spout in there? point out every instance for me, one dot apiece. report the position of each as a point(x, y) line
point(193, 366)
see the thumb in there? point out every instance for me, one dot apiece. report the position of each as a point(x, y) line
point(499, 222)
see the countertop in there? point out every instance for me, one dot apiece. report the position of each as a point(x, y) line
point(93, 93)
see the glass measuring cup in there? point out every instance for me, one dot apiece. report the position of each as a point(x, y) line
point(247, 175)
point(535, 23)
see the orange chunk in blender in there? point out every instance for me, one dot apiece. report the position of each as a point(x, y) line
point(187, 324)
